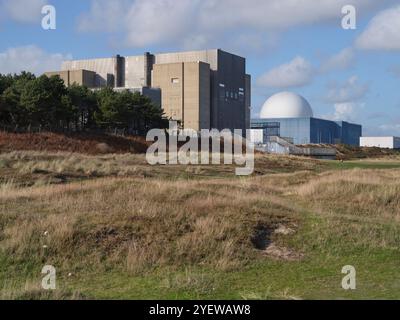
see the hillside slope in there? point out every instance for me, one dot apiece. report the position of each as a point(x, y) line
point(127, 230)
point(85, 143)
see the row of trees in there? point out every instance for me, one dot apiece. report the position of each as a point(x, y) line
point(27, 101)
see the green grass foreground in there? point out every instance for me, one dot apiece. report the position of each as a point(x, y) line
point(116, 228)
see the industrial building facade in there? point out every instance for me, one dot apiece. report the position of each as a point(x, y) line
point(381, 142)
point(82, 77)
point(289, 116)
point(302, 131)
point(201, 89)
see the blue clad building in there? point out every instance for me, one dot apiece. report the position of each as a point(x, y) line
point(288, 115)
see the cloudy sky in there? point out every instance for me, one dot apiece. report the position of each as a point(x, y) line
point(296, 45)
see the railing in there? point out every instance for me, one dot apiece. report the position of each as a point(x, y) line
point(290, 148)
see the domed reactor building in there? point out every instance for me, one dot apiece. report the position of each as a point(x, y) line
point(289, 116)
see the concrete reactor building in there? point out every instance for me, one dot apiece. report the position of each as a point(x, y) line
point(289, 116)
point(201, 89)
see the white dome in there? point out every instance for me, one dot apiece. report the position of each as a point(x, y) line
point(286, 105)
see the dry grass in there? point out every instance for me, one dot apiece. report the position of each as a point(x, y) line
point(63, 167)
point(140, 222)
point(31, 290)
point(366, 193)
point(360, 209)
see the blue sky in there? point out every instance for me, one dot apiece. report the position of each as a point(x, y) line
point(294, 45)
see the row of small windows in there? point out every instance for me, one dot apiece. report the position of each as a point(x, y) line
point(226, 94)
point(231, 95)
point(223, 94)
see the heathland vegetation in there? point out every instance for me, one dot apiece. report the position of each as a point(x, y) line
point(115, 227)
point(27, 102)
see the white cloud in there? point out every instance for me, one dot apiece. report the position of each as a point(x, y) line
point(345, 97)
point(177, 21)
point(30, 58)
point(23, 11)
point(349, 91)
point(159, 21)
point(347, 111)
point(297, 73)
point(104, 16)
point(341, 61)
point(383, 32)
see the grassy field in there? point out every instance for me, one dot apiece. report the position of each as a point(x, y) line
point(117, 228)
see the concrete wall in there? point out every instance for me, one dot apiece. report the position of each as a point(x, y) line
point(88, 78)
point(104, 68)
point(135, 72)
point(206, 56)
point(229, 109)
point(153, 93)
point(79, 77)
point(247, 95)
point(196, 95)
point(64, 75)
point(76, 77)
point(380, 142)
point(257, 136)
point(230, 112)
point(185, 92)
point(205, 95)
point(169, 78)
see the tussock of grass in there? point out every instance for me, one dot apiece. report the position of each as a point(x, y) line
point(193, 236)
point(366, 193)
point(32, 165)
point(31, 290)
point(139, 225)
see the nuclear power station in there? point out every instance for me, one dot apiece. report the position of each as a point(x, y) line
point(290, 117)
point(201, 89)
point(210, 89)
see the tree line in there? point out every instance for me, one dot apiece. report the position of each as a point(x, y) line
point(45, 102)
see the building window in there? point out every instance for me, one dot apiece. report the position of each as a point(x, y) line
point(272, 129)
point(221, 94)
point(175, 80)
